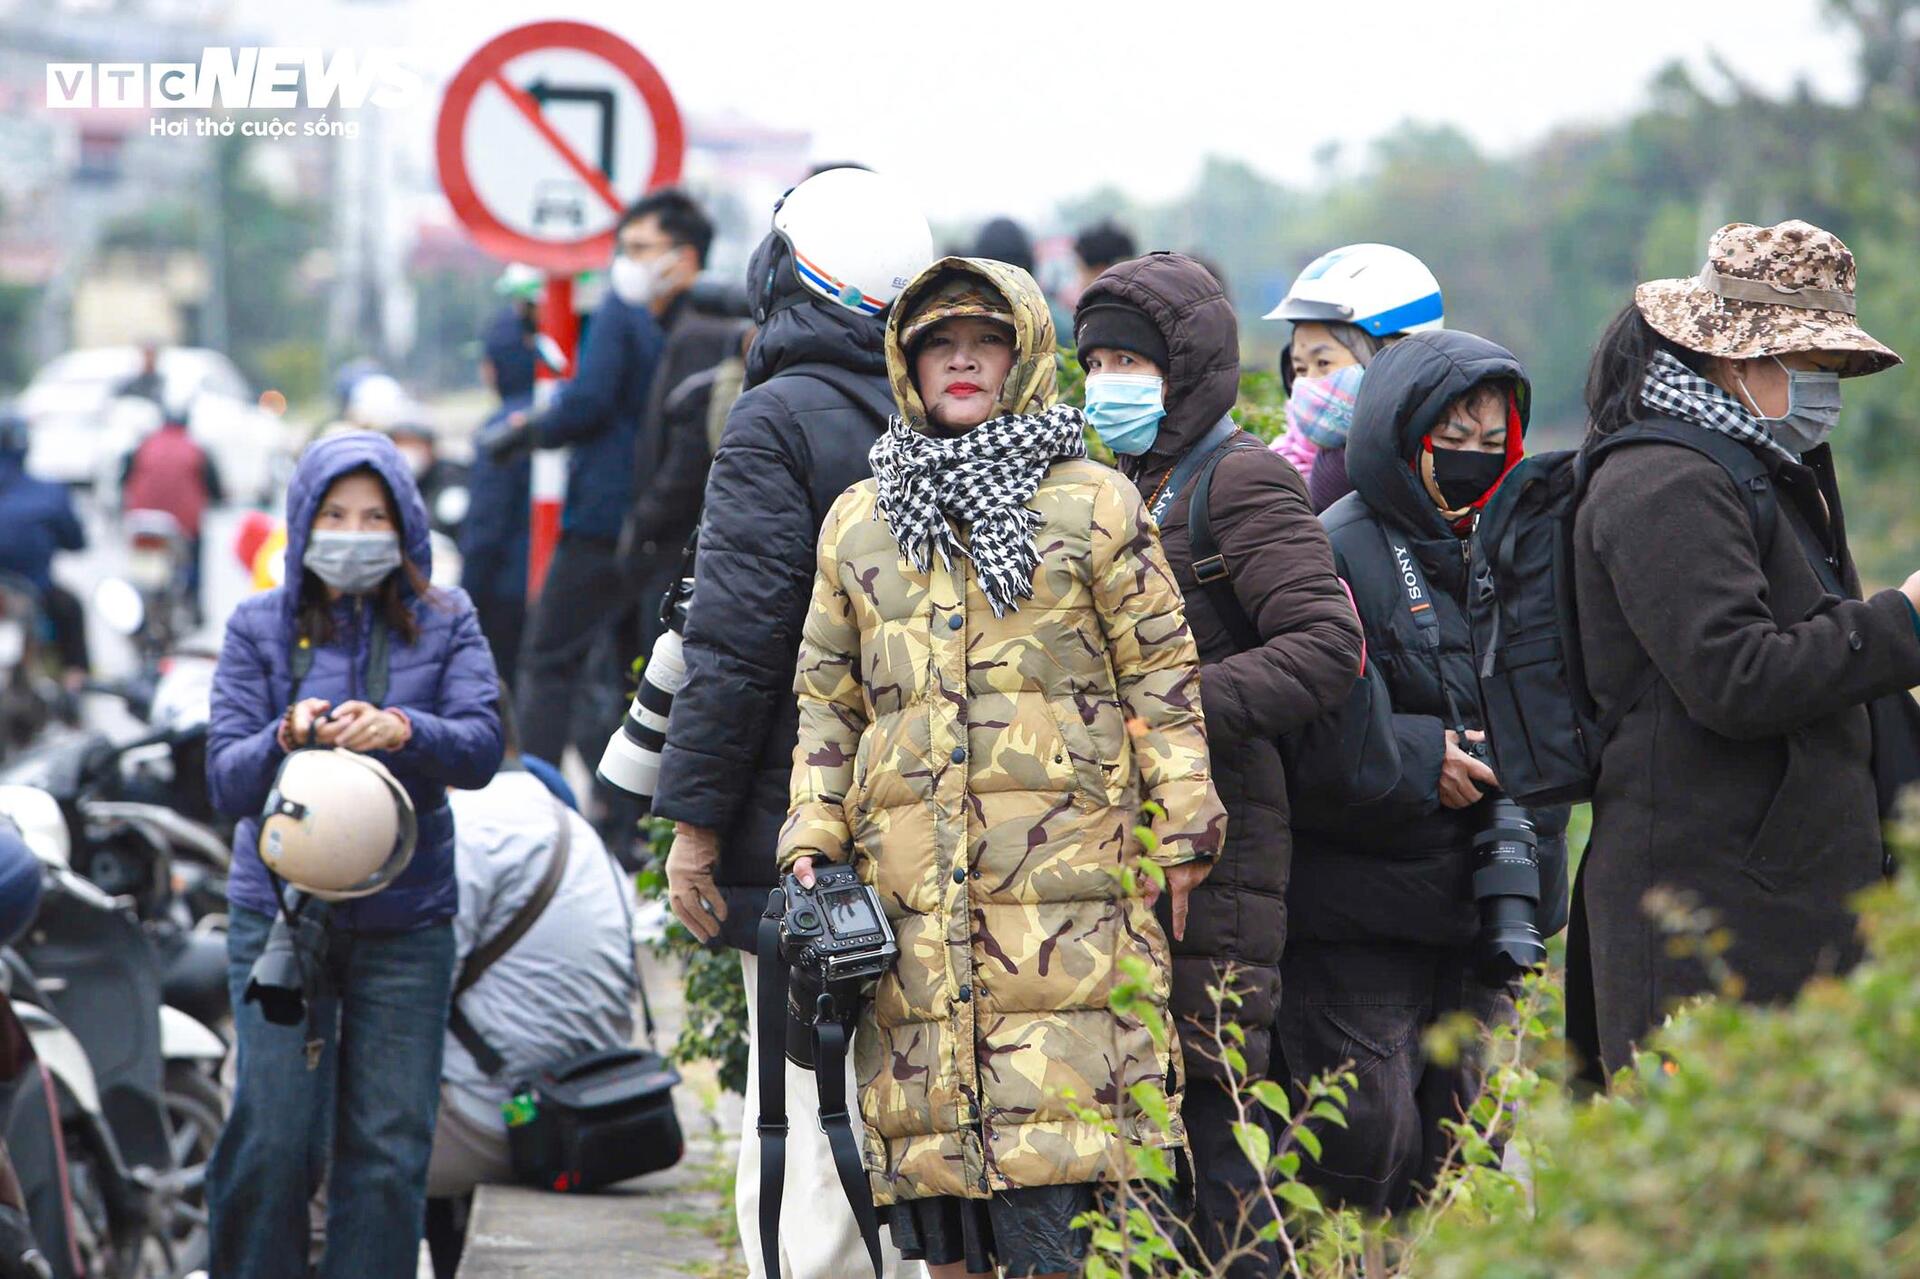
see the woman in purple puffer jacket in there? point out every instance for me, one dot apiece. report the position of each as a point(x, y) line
point(359, 1100)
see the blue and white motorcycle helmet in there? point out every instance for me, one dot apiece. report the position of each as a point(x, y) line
point(1378, 289)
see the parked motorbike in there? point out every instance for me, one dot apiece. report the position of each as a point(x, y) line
point(31, 699)
point(134, 1082)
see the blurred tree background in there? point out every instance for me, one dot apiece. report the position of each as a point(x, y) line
point(1538, 250)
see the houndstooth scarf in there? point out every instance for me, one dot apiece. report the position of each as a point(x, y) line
point(1671, 387)
point(986, 478)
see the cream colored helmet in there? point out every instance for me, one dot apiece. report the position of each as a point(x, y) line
point(337, 824)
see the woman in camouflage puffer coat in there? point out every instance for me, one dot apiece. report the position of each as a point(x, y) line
point(995, 677)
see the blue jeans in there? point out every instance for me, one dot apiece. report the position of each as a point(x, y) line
point(366, 1110)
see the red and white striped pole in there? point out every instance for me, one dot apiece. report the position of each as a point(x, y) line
point(558, 322)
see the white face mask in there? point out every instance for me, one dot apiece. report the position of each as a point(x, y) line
point(638, 283)
point(352, 563)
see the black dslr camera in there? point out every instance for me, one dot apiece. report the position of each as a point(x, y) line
point(1506, 886)
point(291, 971)
point(835, 939)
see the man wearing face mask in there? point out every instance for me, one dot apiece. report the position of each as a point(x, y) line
point(568, 650)
point(1381, 905)
point(1723, 622)
point(1158, 339)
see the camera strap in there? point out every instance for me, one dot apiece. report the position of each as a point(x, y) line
point(830, 1072)
point(1426, 622)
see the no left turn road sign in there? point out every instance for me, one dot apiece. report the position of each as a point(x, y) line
point(547, 133)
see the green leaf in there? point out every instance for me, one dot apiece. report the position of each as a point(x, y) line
point(1328, 1111)
point(1235, 1060)
point(1152, 1102)
point(1273, 1097)
point(1156, 872)
point(1309, 1141)
point(1254, 1143)
point(1300, 1196)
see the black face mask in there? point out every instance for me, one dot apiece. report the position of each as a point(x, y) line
point(1463, 476)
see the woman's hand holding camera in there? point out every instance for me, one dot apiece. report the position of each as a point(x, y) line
point(1461, 775)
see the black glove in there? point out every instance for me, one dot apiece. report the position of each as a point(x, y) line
point(19, 1257)
point(506, 439)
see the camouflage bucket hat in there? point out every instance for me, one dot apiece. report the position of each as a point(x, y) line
point(1767, 291)
point(957, 295)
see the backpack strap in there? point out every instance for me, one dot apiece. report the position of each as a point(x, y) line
point(1209, 565)
point(1751, 474)
point(484, 1054)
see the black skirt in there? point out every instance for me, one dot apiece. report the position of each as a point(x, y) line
point(1028, 1231)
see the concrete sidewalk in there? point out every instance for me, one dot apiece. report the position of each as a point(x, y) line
point(669, 1225)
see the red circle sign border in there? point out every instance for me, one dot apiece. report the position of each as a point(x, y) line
point(495, 236)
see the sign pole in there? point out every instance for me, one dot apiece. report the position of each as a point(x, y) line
point(548, 192)
point(549, 490)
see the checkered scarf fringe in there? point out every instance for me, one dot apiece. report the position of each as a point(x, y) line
point(984, 478)
point(1672, 388)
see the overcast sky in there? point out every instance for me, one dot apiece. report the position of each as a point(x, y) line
point(1011, 107)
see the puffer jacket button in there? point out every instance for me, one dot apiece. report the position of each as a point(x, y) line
point(1856, 641)
point(959, 754)
point(955, 622)
point(959, 874)
point(965, 994)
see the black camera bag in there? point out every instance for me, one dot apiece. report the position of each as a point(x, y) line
point(597, 1120)
point(592, 1120)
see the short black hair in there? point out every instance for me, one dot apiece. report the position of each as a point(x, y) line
point(1103, 244)
point(684, 221)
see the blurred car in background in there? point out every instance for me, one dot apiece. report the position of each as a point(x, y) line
point(83, 427)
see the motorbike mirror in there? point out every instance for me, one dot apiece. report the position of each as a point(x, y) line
point(450, 508)
point(119, 605)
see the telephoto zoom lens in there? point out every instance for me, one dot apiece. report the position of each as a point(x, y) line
point(631, 762)
point(1506, 884)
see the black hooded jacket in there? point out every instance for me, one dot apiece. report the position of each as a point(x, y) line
point(1401, 870)
point(793, 443)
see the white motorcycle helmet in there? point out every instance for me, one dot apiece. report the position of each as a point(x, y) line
point(379, 403)
point(1377, 288)
point(337, 824)
point(856, 237)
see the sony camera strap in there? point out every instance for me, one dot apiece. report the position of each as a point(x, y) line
point(830, 1070)
point(1413, 584)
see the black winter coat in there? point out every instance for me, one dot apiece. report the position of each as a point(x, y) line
point(1283, 579)
point(793, 444)
point(670, 465)
point(1743, 776)
point(1402, 869)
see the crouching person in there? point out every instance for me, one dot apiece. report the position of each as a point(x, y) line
point(359, 654)
point(1381, 907)
point(994, 678)
point(563, 987)
point(1279, 646)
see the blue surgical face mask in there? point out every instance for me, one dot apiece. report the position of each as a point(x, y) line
point(1125, 410)
point(1813, 409)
